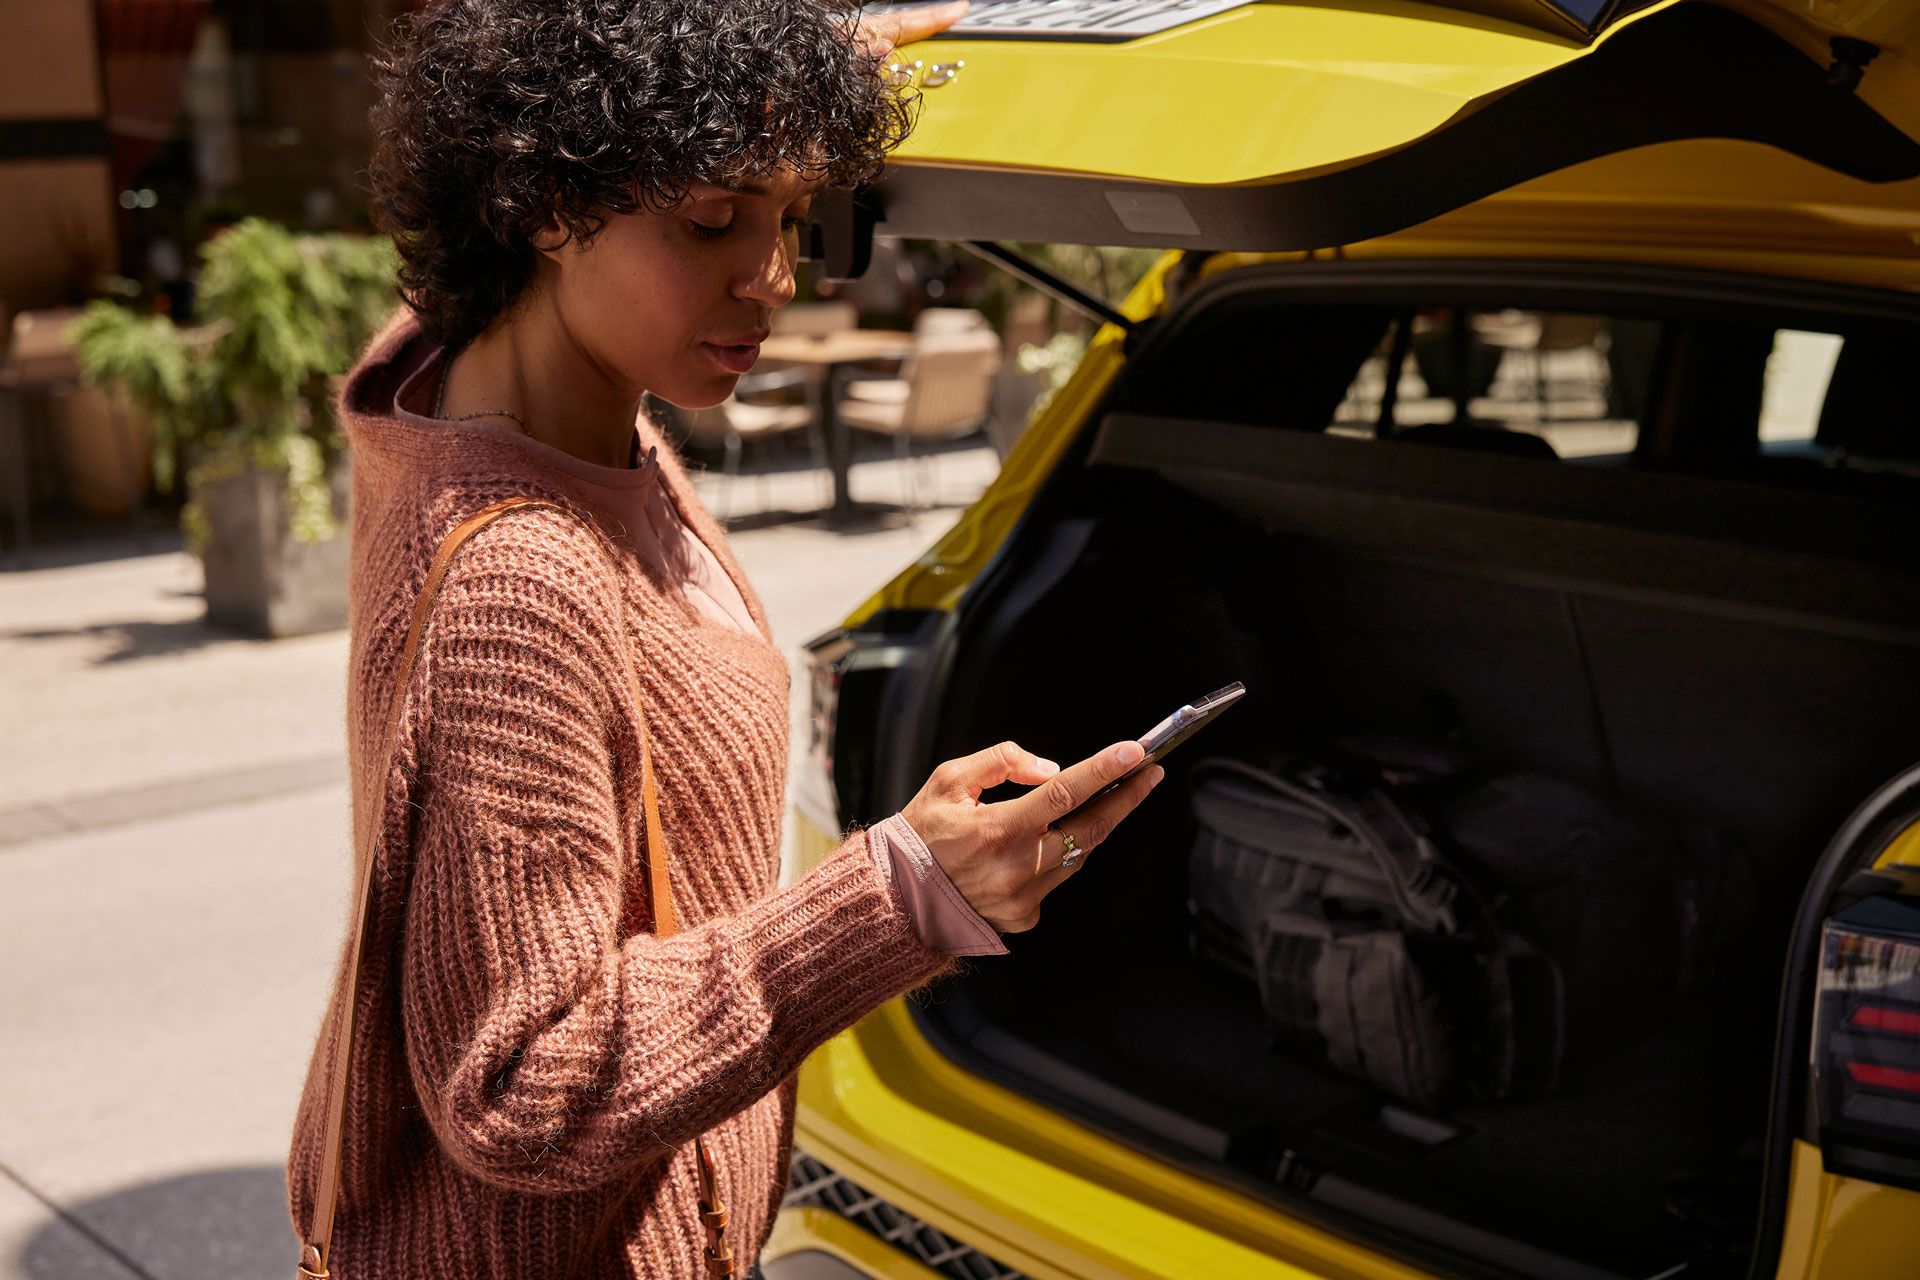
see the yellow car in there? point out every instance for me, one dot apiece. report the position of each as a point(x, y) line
point(1536, 377)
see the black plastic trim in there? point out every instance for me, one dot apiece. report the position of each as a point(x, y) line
point(878, 669)
point(1098, 310)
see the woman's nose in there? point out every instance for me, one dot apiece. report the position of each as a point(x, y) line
point(770, 282)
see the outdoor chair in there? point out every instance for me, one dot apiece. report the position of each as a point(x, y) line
point(808, 320)
point(892, 389)
point(815, 317)
point(948, 320)
point(737, 420)
point(945, 393)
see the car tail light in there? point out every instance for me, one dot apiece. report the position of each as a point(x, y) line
point(1866, 1048)
point(852, 700)
point(814, 790)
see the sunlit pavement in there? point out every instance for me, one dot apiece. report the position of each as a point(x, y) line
point(173, 880)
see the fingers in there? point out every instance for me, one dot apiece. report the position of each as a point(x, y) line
point(1091, 827)
point(882, 33)
point(1001, 762)
point(1065, 791)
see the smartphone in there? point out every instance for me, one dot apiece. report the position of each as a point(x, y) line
point(1170, 733)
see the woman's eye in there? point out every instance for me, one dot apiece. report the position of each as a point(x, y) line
point(791, 222)
point(707, 231)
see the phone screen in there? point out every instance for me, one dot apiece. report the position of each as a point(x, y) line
point(1170, 733)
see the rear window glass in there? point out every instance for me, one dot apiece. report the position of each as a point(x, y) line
point(1549, 377)
point(1775, 404)
point(1799, 370)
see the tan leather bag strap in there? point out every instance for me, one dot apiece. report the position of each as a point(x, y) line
point(314, 1253)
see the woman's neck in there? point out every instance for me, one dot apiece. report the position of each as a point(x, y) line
point(529, 365)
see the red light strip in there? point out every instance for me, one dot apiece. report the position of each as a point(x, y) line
point(1879, 1077)
point(1880, 1017)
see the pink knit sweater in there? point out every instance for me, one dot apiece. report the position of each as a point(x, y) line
point(530, 1060)
point(643, 515)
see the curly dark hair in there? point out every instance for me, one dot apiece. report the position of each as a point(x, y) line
point(498, 118)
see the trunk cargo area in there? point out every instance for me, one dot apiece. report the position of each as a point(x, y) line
point(1742, 658)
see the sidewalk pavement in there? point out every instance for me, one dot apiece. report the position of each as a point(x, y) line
point(173, 884)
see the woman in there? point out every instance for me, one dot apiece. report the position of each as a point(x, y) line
point(594, 199)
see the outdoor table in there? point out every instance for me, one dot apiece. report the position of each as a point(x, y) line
point(833, 352)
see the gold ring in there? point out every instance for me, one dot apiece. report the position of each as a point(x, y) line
point(1074, 851)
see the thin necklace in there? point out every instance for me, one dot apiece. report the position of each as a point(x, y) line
point(439, 411)
point(440, 401)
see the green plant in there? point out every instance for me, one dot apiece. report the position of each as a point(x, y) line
point(1105, 272)
point(282, 314)
point(1057, 359)
point(143, 358)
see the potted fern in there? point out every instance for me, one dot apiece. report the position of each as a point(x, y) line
point(241, 408)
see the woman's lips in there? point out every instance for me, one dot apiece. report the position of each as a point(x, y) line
point(733, 357)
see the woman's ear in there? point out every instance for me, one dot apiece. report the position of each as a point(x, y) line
point(551, 238)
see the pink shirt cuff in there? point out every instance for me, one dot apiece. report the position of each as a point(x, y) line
point(940, 915)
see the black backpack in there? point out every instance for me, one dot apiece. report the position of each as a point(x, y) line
point(1439, 932)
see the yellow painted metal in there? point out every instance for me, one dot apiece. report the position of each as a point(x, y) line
point(1280, 91)
point(819, 1230)
point(1901, 851)
point(1845, 1228)
point(1266, 92)
point(943, 572)
point(811, 845)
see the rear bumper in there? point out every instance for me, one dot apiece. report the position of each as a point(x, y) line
point(1021, 1184)
point(817, 1244)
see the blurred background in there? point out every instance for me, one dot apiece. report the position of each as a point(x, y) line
point(186, 268)
point(137, 133)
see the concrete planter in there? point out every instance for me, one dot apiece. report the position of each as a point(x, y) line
point(259, 579)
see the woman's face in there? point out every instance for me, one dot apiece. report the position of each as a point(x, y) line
point(677, 303)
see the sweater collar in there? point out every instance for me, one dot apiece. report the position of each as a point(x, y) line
point(365, 411)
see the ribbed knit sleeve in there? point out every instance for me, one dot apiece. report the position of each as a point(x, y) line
point(550, 1052)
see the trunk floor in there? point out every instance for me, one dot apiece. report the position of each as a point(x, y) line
point(1583, 1173)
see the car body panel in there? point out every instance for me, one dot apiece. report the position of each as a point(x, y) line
point(1305, 88)
point(1264, 92)
point(1902, 851)
point(1841, 1228)
point(799, 1231)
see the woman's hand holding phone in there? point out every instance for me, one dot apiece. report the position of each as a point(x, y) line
point(1003, 857)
